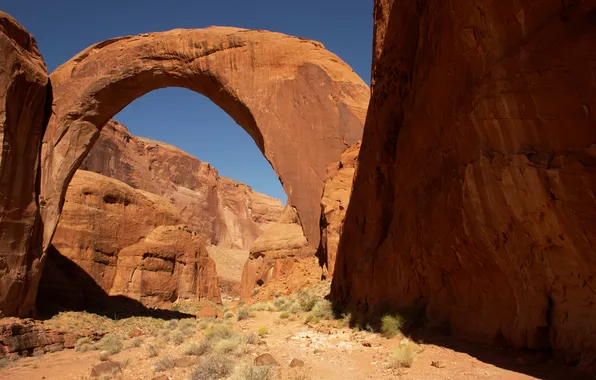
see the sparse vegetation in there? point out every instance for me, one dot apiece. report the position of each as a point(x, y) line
point(322, 310)
point(252, 338)
point(112, 344)
point(261, 306)
point(226, 346)
point(198, 349)
point(163, 364)
point(263, 331)
point(391, 325)
point(403, 355)
point(178, 337)
point(284, 315)
point(244, 313)
point(171, 324)
point(152, 351)
point(249, 371)
point(213, 367)
point(135, 342)
point(3, 362)
point(217, 332)
point(83, 344)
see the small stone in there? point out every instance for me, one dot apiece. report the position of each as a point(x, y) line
point(438, 364)
point(366, 344)
point(105, 368)
point(266, 359)
point(135, 333)
point(262, 343)
point(296, 363)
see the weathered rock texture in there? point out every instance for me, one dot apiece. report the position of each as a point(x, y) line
point(474, 194)
point(169, 265)
point(301, 104)
point(336, 197)
point(274, 253)
point(224, 212)
point(103, 218)
point(27, 337)
point(25, 102)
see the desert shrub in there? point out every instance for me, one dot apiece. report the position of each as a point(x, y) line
point(198, 349)
point(111, 343)
point(204, 323)
point(244, 313)
point(261, 306)
point(229, 315)
point(322, 310)
point(136, 342)
point(263, 331)
point(163, 364)
point(187, 325)
point(403, 355)
point(219, 332)
point(252, 338)
point(83, 341)
point(282, 304)
point(295, 308)
point(172, 324)
point(226, 346)
point(152, 351)
point(391, 325)
point(307, 301)
point(3, 362)
point(250, 371)
point(284, 315)
point(178, 337)
point(213, 367)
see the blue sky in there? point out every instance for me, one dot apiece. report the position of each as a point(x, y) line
point(180, 117)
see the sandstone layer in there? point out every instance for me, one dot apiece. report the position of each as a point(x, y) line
point(103, 217)
point(300, 103)
point(25, 107)
point(334, 204)
point(224, 212)
point(474, 195)
point(275, 252)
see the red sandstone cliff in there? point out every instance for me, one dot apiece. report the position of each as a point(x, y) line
point(474, 194)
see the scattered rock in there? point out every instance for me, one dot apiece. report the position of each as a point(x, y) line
point(262, 343)
point(296, 363)
point(438, 364)
point(366, 344)
point(134, 333)
point(266, 359)
point(186, 361)
point(105, 368)
point(207, 311)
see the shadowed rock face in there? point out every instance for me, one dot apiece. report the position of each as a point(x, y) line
point(474, 195)
point(301, 104)
point(25, 101)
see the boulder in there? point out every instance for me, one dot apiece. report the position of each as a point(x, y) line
point(25, 108)
point(266, 360)
point(169, 265)
point(108, 367)
point(473, 201)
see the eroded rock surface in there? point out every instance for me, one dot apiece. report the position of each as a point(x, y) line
point(274, 253)
point(474, 196)
point(101, 218)
point(224, 212)
point(334, 204)
point(300, 103)
point(25, 102)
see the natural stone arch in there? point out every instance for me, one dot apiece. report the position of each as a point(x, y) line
point(300, 103)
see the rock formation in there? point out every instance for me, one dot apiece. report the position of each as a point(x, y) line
point(274, 253)
point(25, 102)
point(224, 212)
point(474, 196)
point(104, 222)
point(169, 265)
point(300, 103)
point(334, 203)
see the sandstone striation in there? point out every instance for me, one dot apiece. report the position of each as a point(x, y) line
point(224, 212)
point(334, 203)
point(474, 196)
point(275, 252)
point(101, 218)
point(25, 107)
point(171, 264)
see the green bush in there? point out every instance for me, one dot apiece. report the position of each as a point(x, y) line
point(213, 367)
point(391, 325)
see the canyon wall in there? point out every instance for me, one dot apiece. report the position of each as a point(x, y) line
point(25, 107)
point(474, 195)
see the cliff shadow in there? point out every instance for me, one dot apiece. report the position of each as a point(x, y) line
point(65, 286)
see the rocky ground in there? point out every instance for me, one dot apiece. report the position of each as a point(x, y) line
point(289, 337)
